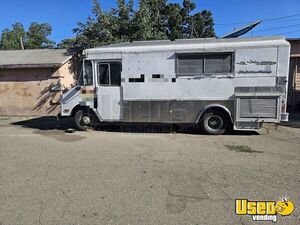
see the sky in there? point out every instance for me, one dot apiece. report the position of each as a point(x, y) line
point(63, 15)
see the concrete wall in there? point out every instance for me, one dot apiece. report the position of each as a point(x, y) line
point(294, 84)
point(26, 91)
point(295, 47)
point(294, 77)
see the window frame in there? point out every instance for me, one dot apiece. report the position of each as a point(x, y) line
point(98, 74)
point(109, 72)
point(188, 54)
point(232, 53)
point(83, 73)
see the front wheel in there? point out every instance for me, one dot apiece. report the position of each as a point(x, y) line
point(215, 123)
point(82, 120)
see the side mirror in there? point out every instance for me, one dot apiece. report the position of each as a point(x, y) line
point(55, 88)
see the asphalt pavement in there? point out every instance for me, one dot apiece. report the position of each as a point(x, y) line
point(141, 175)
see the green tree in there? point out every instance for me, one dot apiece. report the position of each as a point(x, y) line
point(174, 21)
point(201, 25)
point(187, 18)
point(12, 39)
point(37, 36)
point(67, 43)
point(18, 38)
point(123, 20)
point(98, 29)
point(151, 20)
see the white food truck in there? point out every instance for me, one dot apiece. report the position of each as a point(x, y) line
point(218, 84)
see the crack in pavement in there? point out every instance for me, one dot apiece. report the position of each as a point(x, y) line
point(214, 183)
point(211, 180)
point(185, 196)
point(67, 205)
point(41, 212)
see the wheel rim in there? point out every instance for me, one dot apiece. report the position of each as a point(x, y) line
point(215, 122)
point(85, 120)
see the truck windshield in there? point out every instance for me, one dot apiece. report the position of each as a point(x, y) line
point(86, 78)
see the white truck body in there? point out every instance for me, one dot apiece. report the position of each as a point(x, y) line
point(177, 81)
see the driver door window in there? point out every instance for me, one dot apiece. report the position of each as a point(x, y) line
point(109, 74)
point(87, 73)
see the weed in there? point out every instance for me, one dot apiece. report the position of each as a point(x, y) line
point(241, 148)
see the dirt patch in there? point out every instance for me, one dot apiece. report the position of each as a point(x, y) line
point(24, 92)
point(59, 135)
point(241, 148)
point(4, 89)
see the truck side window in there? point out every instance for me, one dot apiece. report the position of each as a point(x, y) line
point(109, 74)
point(115, 73)
point(104, 74)
point(88, 73)
point(218, 63)
point(191, 64)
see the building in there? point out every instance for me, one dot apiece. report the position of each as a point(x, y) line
point(294, 76)
point(26, 77)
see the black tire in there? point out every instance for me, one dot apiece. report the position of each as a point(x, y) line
point(79, 124)
point(215, 123)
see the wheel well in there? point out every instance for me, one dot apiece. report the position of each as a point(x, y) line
point(221, 109)
point(87, 110)
point(77, 108)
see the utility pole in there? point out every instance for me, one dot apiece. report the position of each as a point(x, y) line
point(21, 43)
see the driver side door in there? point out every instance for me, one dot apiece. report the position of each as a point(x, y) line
point(109, 91)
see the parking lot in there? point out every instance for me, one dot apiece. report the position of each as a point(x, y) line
point(148, 175)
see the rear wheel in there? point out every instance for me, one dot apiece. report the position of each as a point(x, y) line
point(215, 123)
point(82, 120)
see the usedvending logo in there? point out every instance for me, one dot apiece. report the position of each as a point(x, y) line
point(264, 210)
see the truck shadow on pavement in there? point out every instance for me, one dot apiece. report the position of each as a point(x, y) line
point(50, 127)
point(161, 128)
point(49, 123)
point(45, 123)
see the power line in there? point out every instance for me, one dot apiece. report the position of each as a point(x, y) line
point(277, 28)
point(294, 31)
point(230, 24)
point(283, 17)
point(283, 20)
point(264, 20)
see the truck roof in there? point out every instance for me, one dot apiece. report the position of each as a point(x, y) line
point(187, 44)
